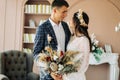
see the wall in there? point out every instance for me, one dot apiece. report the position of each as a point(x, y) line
point(98, 72)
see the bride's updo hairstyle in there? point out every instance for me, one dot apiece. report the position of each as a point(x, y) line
point(81, 21)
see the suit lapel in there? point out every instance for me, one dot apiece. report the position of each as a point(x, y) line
point(51, 31)
point(64, 27)
point(67, 34)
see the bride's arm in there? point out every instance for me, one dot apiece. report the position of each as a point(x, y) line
point(85, 49)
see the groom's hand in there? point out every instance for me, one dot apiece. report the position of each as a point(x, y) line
point(56, 76)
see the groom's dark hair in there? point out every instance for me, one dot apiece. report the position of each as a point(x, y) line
point(59, 3)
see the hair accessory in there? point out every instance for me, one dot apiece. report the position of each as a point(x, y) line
point(80, 17)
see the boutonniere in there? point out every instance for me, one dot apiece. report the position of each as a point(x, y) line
point(49, 38)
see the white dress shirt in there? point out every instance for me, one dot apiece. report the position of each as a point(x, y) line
point(60, 34)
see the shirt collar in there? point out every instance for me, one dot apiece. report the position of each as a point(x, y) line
point(53, 23)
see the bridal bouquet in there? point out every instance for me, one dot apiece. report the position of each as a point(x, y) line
point(57, 61)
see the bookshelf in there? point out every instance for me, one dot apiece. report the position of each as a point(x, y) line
point(35, 13)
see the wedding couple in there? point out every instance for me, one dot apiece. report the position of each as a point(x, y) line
point(75, 37)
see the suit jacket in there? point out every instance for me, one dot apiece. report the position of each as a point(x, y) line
point(41, 42)
point(41, 37)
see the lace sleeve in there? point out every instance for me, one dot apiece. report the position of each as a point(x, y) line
point(85, 49)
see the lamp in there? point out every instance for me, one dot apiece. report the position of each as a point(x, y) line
point(117, 28)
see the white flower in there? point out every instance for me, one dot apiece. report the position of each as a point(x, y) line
point(60, 67)
point(53, 66)
point(55, 57)
point(93, 48)
point(96, 42)
point(49, 38)
point(92, 37)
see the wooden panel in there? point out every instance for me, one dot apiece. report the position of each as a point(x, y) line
point(2, 23)
point(10, 23)
point(19, 24)
point(38, 2)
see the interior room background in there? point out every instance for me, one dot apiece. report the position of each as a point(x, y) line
point(104, 16)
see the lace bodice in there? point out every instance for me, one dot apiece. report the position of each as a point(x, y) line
point(80, 44)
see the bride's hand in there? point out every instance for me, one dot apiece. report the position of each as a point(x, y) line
point(56, 76)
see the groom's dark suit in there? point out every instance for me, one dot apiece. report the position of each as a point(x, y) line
point(41, 39)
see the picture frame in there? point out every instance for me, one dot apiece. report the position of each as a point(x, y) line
point(108, 48)
point(31, 23)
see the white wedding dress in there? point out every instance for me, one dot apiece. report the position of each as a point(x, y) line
point(80, 44)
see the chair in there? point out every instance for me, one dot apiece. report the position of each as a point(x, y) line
point(3, 77)
point(17, 65)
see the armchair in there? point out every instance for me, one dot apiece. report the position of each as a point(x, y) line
point(17, 65)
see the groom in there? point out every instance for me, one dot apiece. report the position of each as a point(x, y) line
point(57, 29)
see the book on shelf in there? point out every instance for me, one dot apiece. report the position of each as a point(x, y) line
point(29, 38)
point(43, 9)
point(48, 9)
point(38, 9)
point(26, 38)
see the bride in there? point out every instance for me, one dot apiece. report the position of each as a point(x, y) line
point(80, 42)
